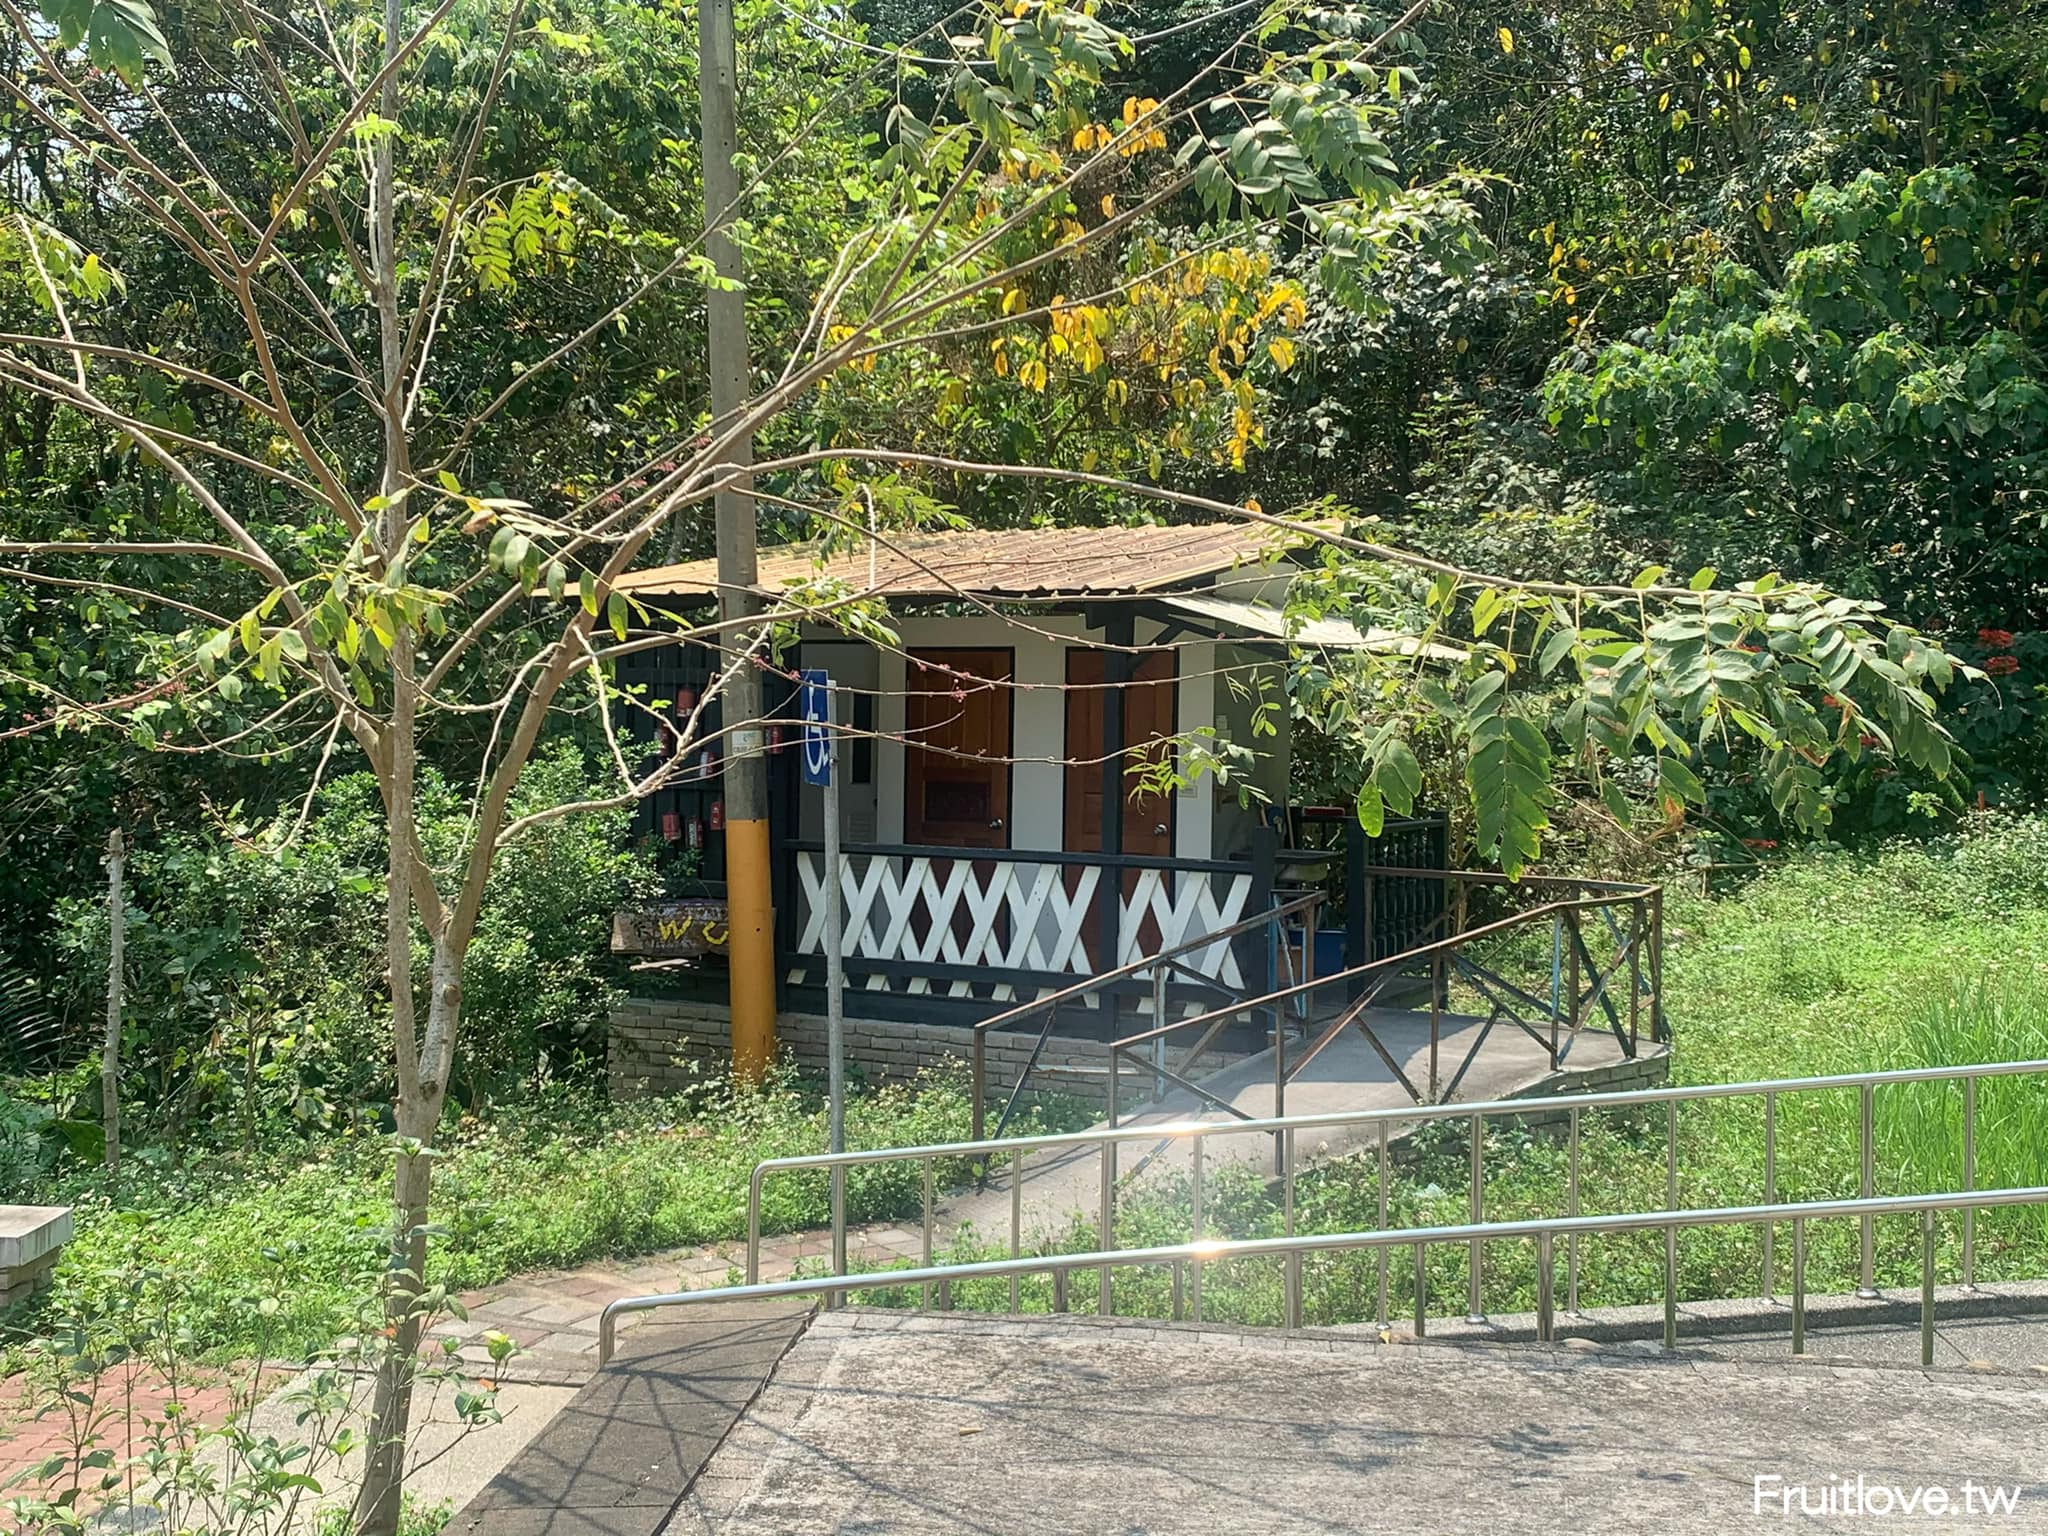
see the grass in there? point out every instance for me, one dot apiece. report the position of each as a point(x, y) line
point(276, 1253)
point(1913, 955)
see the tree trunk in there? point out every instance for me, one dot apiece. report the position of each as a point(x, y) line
point(380, 1500)
point(110, 1053)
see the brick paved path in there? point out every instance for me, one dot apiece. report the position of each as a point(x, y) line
point(127, 1405)
point(552, 1314)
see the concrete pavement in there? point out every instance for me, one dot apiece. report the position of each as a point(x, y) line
point(913, 1424)
point(1348, 1074)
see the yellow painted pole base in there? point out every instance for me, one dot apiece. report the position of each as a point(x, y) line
point(750, 951)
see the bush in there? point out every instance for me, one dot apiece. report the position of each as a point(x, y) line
point(255, 962)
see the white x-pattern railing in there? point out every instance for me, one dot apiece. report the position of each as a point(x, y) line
point(1013, 914)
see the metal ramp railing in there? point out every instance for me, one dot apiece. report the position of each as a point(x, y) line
point(1290, 1249)
point(1107, 1142)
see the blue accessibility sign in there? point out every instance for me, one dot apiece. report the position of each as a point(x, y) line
point(814, 704)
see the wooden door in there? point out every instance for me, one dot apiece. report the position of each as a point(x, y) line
point(1148, 701)
point(956, 761)
point(1148, 718)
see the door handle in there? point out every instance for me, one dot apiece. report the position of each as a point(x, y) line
point(1160, 830)
point(996, 825)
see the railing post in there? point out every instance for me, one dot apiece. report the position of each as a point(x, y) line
point(1658, 1030)
point(1927, 1288)
point(1970, 1182)
point(1571, 991)
point(1475, 1311)
point(925, 1243)
point(1798, 1285)
point(1571, 1242)
point(980, 1084)
point(1770, 1193)
point(1159, 1041)
point(1105, 1302)
point(837, 1298)
point(754, 1228)
point(1670, 1232)
point(1383, 1320)
point(1635, 974)
point(1867, 1185)
point(1279, 1085)
point(1436, 1017)
point(1546, 1281)
point(1421, 1293)
point(1292, 1282)
point(1265, 852)
point(1195, 1270)
point(1016, 1220)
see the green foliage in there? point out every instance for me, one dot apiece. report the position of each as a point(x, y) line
point(1882, 406)
point(274, 1250)
point(255, 961)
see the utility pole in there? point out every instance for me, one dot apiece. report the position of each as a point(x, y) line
point(749, 897)
point(110, 1054)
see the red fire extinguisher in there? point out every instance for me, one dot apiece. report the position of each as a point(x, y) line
point(672, 826)
point(718, 815)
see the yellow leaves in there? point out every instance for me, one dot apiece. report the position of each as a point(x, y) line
point(1109, 205)
point(1281, 351)
point(1117, 392)
point(835, 334)
point(1033, 376)
point(1507, 41)
point(1462, 344)
point(1763, 213)
point(1139, 109)
point(1014, 302)
point(1093, 136)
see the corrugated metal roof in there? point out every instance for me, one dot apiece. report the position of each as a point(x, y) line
point(997, 562)
point(1258, 620)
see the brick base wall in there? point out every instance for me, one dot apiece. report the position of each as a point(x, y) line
point(1650, 1069)
point(662, 1045)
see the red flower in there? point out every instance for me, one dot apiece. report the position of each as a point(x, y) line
point(1997, 639)
point(1866, 740)
point(1759, 842)
point(2001, 666)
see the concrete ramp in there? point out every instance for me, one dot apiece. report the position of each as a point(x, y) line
point(1346, 1075)
point(906, 1424)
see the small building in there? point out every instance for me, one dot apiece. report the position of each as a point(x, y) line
point(1031, 669)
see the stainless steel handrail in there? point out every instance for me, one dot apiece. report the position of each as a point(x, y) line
point(1288, 1128)
point(1154, 964)
point(1544, 1230)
